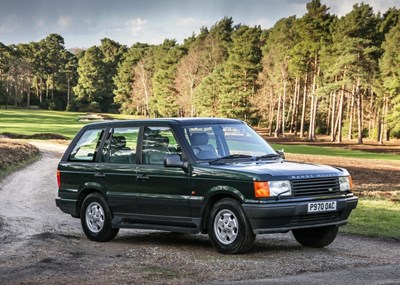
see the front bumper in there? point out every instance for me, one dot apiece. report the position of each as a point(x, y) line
point(284, 216)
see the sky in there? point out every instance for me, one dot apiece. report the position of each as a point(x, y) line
point(83, 23)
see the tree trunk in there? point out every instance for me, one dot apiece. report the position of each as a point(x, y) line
point(310, 135)
point(303, 111)
point(283, 108)
point(294, 108)
point(351, 114)
point(370, 114)
point(328, 116)
point(381, 120)
point(359, 113)
point(340, 115)
point(271, 113)
point(28, 95)
point(47, 88)
point(40, 90)
point(314, 104)
point(278, 117)
point(68, 91)
point(333, 130)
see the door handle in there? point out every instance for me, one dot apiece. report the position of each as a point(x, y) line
point(142, 177)
point(99, 174)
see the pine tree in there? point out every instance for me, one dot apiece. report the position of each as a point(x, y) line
point(390, 72)
point(125, 78)
point(275, 77)
point(313, 30)
point(240, 72)
point(163, 102)
point(92, 89)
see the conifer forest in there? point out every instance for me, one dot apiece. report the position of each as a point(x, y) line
point(318, 74)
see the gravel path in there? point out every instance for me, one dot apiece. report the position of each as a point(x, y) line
point(41, 245)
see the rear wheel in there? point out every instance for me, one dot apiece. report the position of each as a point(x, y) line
point(96, 218)
point(229, 229)
point(316, 237)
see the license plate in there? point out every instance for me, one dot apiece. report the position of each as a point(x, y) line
point(322, 207)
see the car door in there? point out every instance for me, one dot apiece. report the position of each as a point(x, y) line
point(163, 193)
point(117, 169)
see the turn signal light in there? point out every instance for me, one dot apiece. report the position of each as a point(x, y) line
point(261, 189)
point(58, 178)
point(351, 183)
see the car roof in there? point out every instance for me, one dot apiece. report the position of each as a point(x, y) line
point(171, 121)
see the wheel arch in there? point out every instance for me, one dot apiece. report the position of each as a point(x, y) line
point(86, 191)
point(215, 195)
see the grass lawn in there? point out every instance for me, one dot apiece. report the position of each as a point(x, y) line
point(33, 121)
point(375, 218)
point(334, 151)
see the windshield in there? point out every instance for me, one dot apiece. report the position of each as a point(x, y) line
point(226, 141)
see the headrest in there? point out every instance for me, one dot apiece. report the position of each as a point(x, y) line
point(156, 139)
point(199, 139)
point(118, 142)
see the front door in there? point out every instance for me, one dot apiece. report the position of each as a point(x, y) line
point(162, 191)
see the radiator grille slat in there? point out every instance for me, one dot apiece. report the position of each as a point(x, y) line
point(315, 186)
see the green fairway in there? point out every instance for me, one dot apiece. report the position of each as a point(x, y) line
point(333, 151)
point(33, 121)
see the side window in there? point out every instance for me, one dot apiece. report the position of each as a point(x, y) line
point(87, 146)
point(121, 145)
point(158, 142)
point(203, 142)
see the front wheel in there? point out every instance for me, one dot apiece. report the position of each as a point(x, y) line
point(316, 237)
point(96, 218)
point(229, 229)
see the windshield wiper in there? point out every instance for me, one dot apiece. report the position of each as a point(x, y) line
point(229, 157)
point(268, 156)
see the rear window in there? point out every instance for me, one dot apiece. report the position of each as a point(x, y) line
point(87, 146)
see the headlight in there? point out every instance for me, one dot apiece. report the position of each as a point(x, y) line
point(346, 184)
point(265, 189)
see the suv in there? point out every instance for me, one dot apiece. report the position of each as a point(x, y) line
point(215, 176)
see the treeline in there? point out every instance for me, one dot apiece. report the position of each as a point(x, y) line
point(318, 74)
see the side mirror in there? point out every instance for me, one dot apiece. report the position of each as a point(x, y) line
point(174, 160)
point(281, 153)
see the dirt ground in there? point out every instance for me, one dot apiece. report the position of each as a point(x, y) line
point(13, 152)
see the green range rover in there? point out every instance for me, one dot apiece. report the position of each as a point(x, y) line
point(215, 176)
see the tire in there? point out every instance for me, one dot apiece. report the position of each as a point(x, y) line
point(229, 229)
point(96, 218)
point(316, 237)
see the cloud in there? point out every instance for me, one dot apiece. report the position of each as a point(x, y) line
point(190, 22)
point(342, 7)
point(64, 22)
point(39, 24)
point(264, 23)
point(136, 26)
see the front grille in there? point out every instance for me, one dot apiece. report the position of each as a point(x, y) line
point(315, 218)
point(315, 186)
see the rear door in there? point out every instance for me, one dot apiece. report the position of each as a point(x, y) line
point(78, 168)
point(117, 168)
